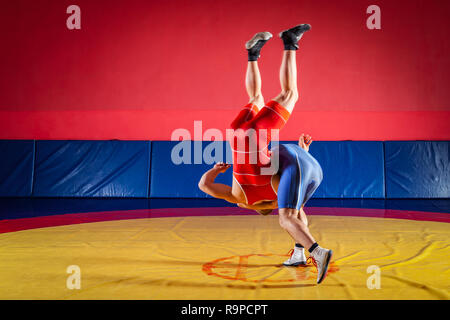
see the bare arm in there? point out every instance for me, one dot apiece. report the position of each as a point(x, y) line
point(216, 190)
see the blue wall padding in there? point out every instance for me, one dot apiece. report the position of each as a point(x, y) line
point(92, 169)
point(351, 169)
point(417, 169)
point(16, 167)
point(169, 179)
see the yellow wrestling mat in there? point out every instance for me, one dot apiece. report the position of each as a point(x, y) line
point(225, 257)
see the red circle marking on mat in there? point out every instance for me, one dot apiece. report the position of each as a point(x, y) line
point(225, 268)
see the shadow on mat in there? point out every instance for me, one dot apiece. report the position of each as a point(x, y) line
point(226, 283)
point(184, 263)
point(182, 283)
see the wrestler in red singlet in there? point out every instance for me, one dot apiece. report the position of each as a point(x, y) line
point(251, 149)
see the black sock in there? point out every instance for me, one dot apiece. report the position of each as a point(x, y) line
point(298, 245)
point(254, 52)
point(290, 42)
point(315, 245)
point(252, 56)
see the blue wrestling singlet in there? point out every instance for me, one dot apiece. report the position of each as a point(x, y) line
point(300, 176)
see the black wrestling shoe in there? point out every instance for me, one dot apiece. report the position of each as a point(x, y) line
point(255, 44)
point(291, 36)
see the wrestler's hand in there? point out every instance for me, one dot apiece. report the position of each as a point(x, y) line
point(305, 141)
point(221, 167)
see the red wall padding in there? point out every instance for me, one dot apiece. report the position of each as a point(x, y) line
point(138, 69)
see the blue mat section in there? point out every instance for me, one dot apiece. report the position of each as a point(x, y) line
point(92, 169)
point(16, 168)
point(417, 169)
point(178, 166)
point(351, 169)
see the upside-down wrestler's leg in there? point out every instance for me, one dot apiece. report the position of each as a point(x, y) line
point(252, 80)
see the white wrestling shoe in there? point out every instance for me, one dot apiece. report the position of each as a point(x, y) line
point(321, 258)
point(297, 257)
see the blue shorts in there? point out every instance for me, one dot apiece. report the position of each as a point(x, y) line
point(300, 176)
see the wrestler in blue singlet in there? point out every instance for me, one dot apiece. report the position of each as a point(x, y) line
point(300, 176)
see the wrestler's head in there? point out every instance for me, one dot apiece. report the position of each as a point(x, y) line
point(264, 212)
